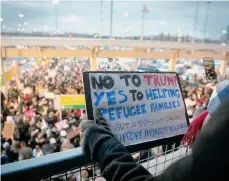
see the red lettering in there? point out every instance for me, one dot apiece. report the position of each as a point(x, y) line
point(148, 77)
point(156, 81)
point(163, 83)
point(170, 80)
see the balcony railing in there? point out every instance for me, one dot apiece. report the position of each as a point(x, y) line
point(63, 165)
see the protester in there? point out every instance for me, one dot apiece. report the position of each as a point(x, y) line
point(28, 106)
point(25, 153)
point(220, 93)
point(37, 152)
point(207, 161)
point(39, 126)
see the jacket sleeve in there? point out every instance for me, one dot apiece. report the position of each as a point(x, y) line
point(115, 162)
point(209, 159)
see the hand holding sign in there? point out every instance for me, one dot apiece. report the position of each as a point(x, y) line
point(100, 120)
point(139, 107)
point(90, 132)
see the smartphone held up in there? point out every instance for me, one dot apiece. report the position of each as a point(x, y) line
point(209, 66)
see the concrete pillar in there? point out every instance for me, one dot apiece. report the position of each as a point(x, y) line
point(173, 61)
point(94, 54)
point(93, 65)
point(224, 63)
point(4, 84)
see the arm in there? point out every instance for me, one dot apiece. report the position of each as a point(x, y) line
point(115, 162)
point(209, 159)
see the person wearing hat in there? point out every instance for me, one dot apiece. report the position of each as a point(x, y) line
point(208, 160)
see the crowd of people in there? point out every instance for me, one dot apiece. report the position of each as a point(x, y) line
point(197, 92)
point(37, 125)
point(35, 119)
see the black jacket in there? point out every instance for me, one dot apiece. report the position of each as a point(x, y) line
point(208, 161)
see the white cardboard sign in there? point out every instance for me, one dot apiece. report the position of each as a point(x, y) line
point(139, 107)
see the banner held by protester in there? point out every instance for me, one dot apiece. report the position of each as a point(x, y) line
point(138, 106)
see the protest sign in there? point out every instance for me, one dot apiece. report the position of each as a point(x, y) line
point(8, 130)
point(139, 106)
point(49, 95)
point(72, 101)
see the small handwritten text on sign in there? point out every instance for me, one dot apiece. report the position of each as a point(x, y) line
point(139, 107)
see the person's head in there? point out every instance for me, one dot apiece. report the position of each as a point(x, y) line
point(84, 174)
point(39, 124)
point(66, 145)
point(6, 146)
point(34, 99)
point(10, 141)
point(25, 153)
point(63, 133)
point(64, 114)
point(52, 141)
point(40, 136)
point(16, 146)
point(194, 97)
point(51, 114)
point(37, 147)
point(50, 103)
point(31, 106)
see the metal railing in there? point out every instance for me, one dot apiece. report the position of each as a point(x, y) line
point(71, 164)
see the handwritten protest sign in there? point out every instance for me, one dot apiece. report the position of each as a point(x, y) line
point(138, 106)
point(8, 130)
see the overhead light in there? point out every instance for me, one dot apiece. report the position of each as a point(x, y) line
point(25, 23)
point(18, 29)
point(21, 15)
point(34, 30)
point(1, 19)
point(22, 29)
point(9, 29)
point(55, 1)
point(19, 25)
point(4, 26)
point(125, 14)
point(162, 22)
point(223, 44)
point(224, 31)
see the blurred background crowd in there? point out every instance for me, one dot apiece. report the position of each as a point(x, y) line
point(40, 129)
